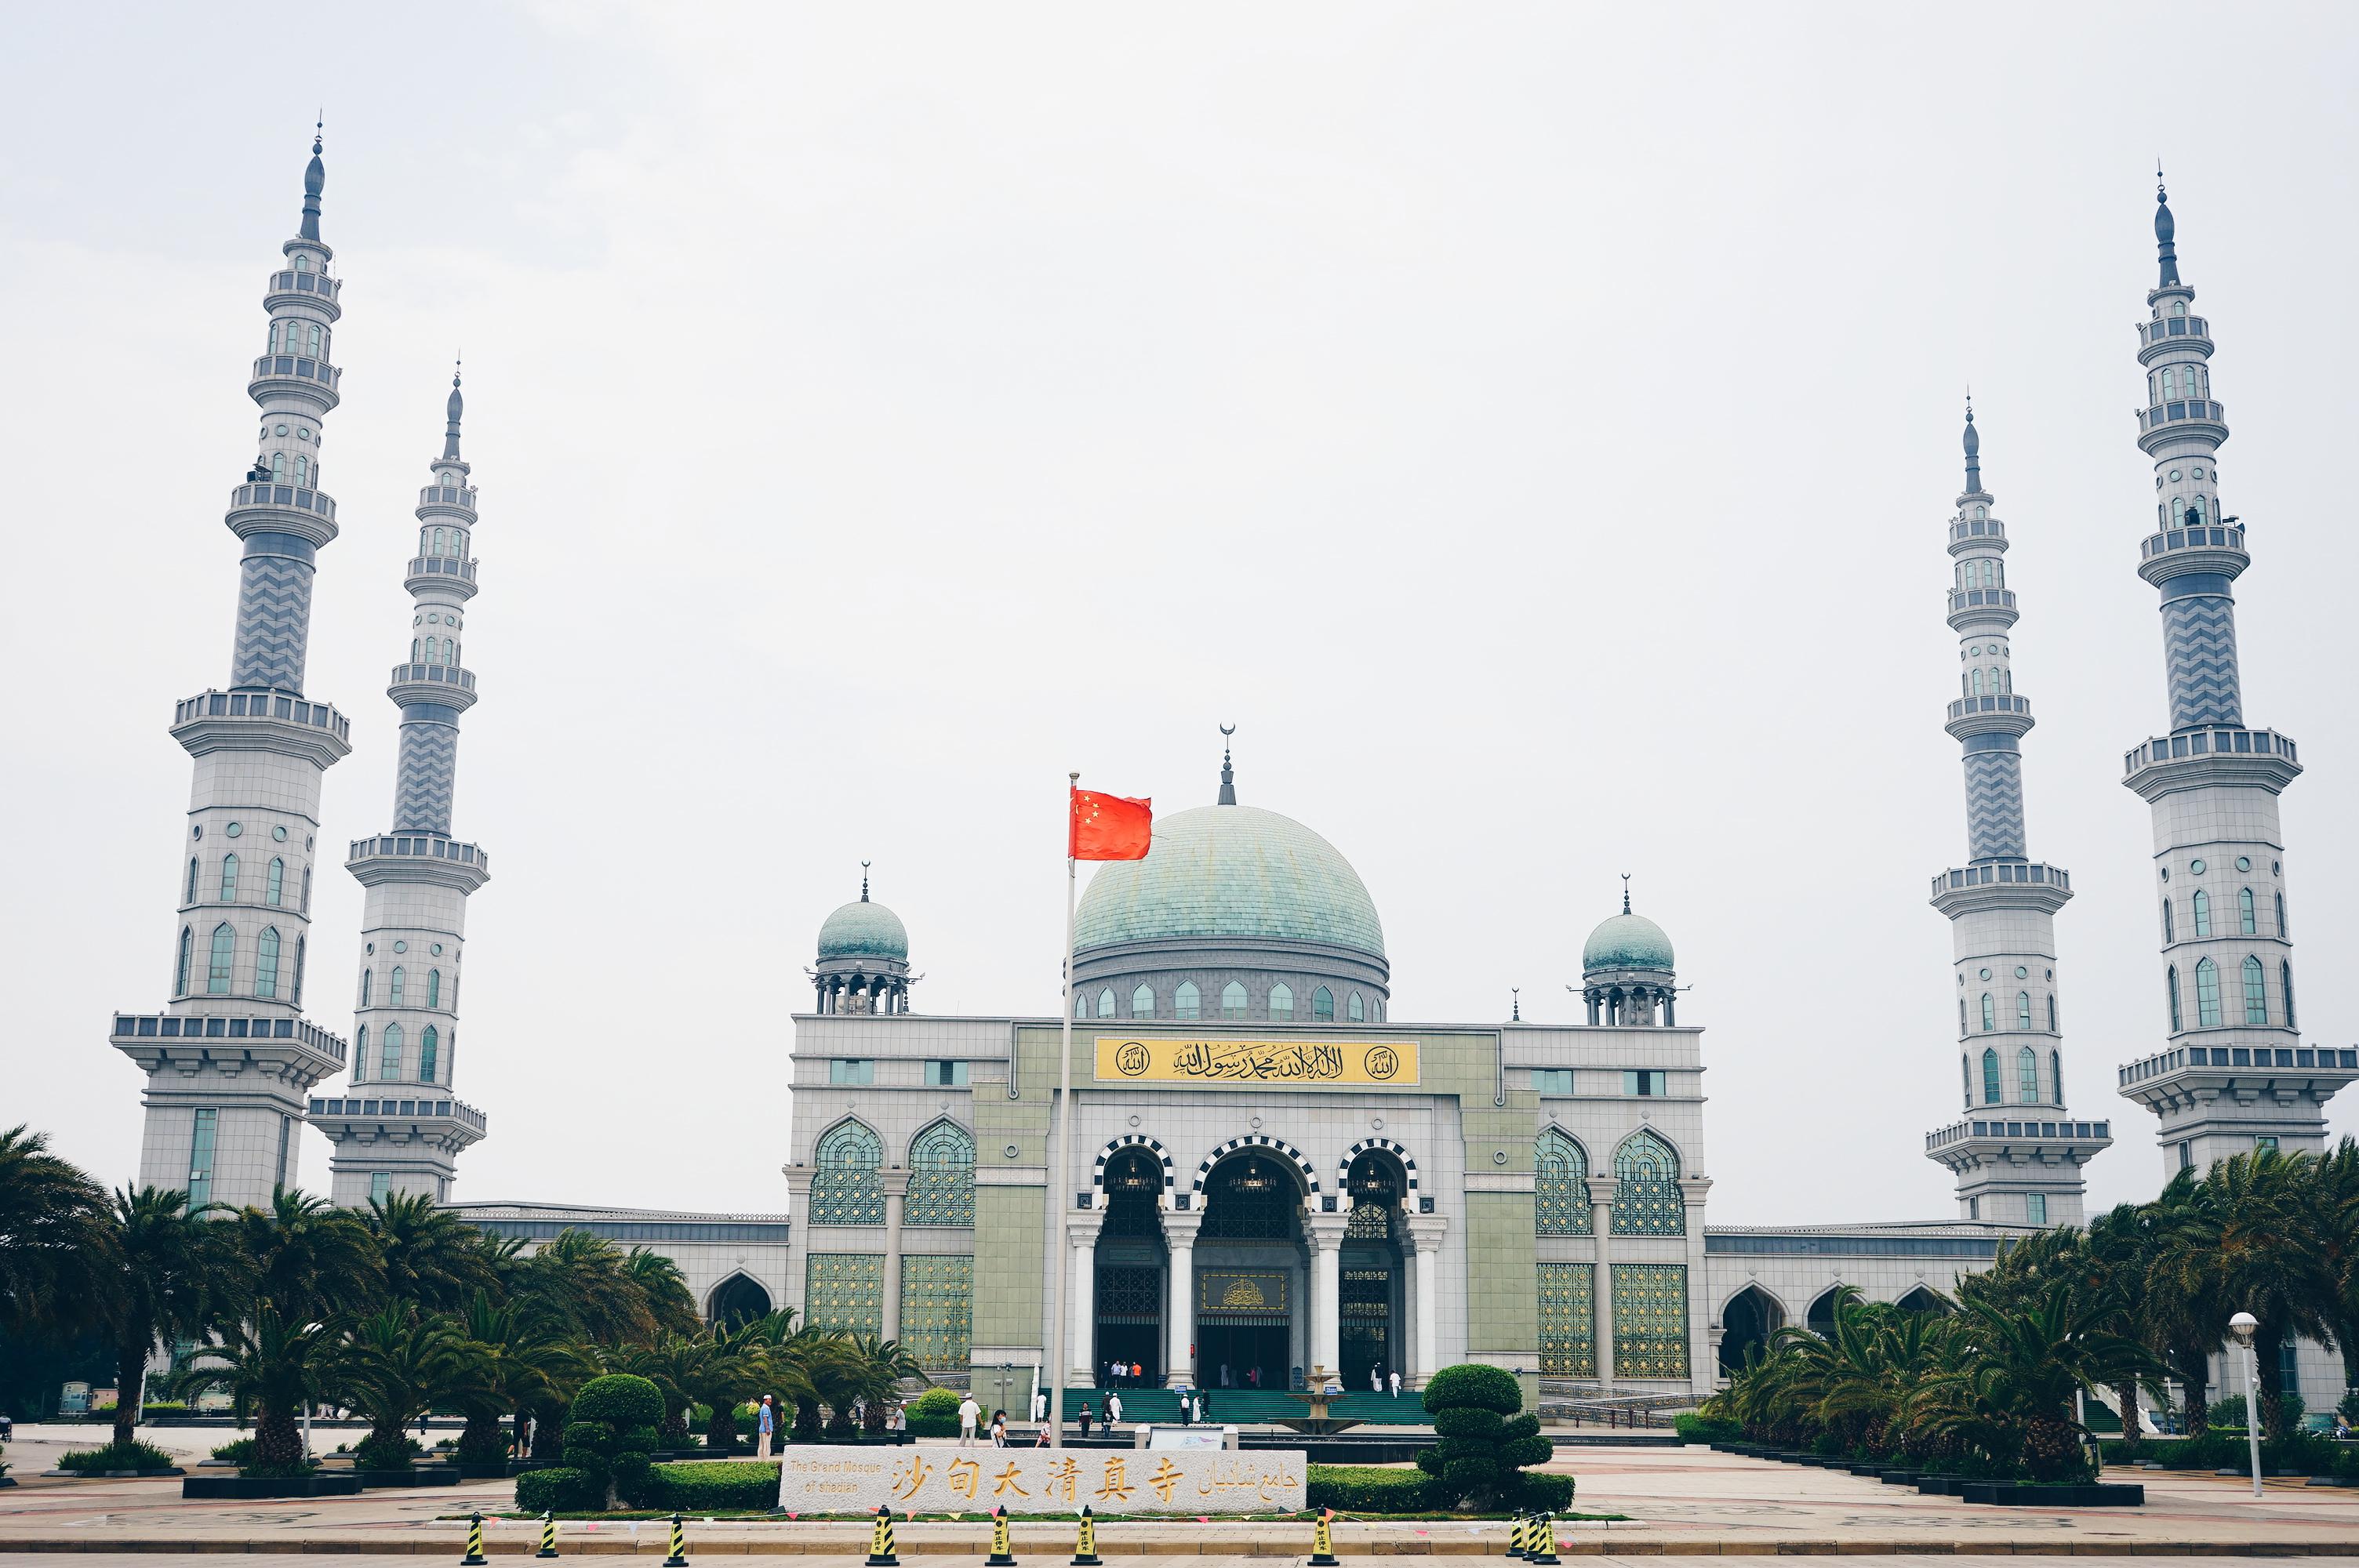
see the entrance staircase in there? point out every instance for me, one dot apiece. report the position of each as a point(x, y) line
point(1253, 1407)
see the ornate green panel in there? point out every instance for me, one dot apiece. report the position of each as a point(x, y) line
point(941, 1179)
point(844, 1289)
point(1567, 1320)
point(937, 1309)
point(1560, 1185)
point(1647, 1199)
point(845, 1188)
point(1650, 1320)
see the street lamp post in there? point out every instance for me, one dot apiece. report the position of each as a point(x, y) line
point(2242, 1325)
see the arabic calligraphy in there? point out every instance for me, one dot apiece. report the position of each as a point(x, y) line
point(1280, 1063)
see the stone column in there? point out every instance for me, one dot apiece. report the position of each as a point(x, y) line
point(1601, 1224)
point(1324, 1232)
point(1082, 1228)
point(798, 1185)
point(1703, 1340)
point(1180, 1227)
point(896, 1188)
point(1425, 1231)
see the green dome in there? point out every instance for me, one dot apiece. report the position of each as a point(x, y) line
point(1231, 870)
point(1627, 942)
point(863, 930)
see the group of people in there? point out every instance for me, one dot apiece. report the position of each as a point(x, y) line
point(765, 1422)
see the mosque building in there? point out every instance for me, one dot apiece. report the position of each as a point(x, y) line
point(1274, 1175)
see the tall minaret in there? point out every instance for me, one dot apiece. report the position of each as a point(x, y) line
point(229, 1060)
point(398, 1127)
point(2235, 1073)
point(2017, 1154)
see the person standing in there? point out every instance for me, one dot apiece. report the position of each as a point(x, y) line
point(1040, 1404)
point(969, 1413)
point(1085, 1419)
point(999, 1429)
point(1395, 1376)
point(1114, 1373)
point(1137, 1373)
point(765, 1421)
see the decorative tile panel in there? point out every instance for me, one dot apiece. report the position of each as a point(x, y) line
point(846, 1188)
point(1560, 1185)
point(1647, 1198)
point(844, 1291)
point(1650, 1320)
point(1567, 1320)
point(937, 1309)
point(941, 1177)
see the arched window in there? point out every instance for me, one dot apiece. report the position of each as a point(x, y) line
point(1990, 1077)
point(2281, 920)
point(1560, 1184)
point(2284, 980)
point(1184, 1002)
point(366, 975)
point(1105, 1002)
point(2052, 1015)
point(438, 543)
point(2056, 1074)
point(2023, 1010)
point(1990, 1013)
point(2256, 992)
point(1142, 1002)
point(1975, 677)
point(360, 1054)
point(1232, 1000)
point(393, 990)
point(1354, 1009)
point(388, 1059)
point(191, 895)
point(429, 1050)
point(274, 882)
point(2170, 984)
point(434, 988)
point(1080, 1005)
point(180, 970)
point(1966, 1080)
point(413, 649)
point(266, 963)
point(2026, 1076)
point(1281, 1003)
point(278, 468)
point(1961, 1015)
point(295, 994)
point(2201, 905)
point(2207, 995)
point(1646, 1200)
point(306, 906)
point(845, 1188)
point(229, 878)
point(941, 1177)
point(1322, 1006)
point(2169, 932)
point(302, 470)
point(217, 968)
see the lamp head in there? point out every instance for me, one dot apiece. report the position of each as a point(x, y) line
point(2242, 1325)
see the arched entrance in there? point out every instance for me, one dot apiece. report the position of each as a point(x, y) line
point(1371, 1306)
point(737, 1301)
point(1822, 1315)
point(1130, 1266)
point(1750, 1318)
point(1249, 1265)
point(1920, 1299)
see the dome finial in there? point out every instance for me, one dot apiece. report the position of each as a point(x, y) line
point(2164, 229)
point(1518, 993)
point(1626, 893)
point(1973, 446)
point(315, 180)
point(863, 881)
point(452, 410)
point(1228, 773)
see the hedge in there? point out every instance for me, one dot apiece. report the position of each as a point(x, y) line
point(1369, 1488)
point(129, 1456)
point(1546, 1492)
point(1704, 1428)
point(716, 1484)
point(562, 1489)
point(934, 1413)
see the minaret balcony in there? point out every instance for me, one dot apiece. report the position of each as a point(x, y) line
point(2004, 715)
point(2189, 1075)
point(2167, 422)
point(1986, 532)
point(2199, 758)
point(2183, 328)
point(399, 1114)
point(2179, 551)
point(434, 858)
point(447, 500)
point(2001, 884)
point(1982, 607)
point(447, 684)
point(448, 573)
point(289, 376)
point(2035, 1136)
point(293, 285)
point(291, 1048)
point(262, 722)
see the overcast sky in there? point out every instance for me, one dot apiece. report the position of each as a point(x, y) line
point(1532, 426)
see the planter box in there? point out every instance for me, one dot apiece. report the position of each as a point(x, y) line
point(112, 1475)
point(1899, 1477)
point(241, 1487)
point(2026, 1493)
point(1866, 1469)
point(1938, 1485)
point(423, 1476)
point(496, 1470)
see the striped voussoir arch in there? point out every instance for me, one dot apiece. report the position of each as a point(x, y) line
point(1343, 1166)
point(1258, 1140)
point(1127, 1140)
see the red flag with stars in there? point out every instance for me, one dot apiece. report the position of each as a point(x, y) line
point(1109, 828)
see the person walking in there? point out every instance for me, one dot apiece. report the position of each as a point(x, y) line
point(1113, 1410)
point(765, 1421)
point(969, 1413)
point(999, 1429)
point(1040, 1404)
point(1203, 1407)
point(1086, 1417)
point(1040, 1435)
point(1395, 1377)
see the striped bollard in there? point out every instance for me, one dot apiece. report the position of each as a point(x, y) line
point(1001, 1556)
point(1542, 1550)
point(547, 1534)
point(880, 1540)
point(1516, 1536)
point(474, 1540)
point(1322, 1541)
point(1085, 1547)
point(679, 1558)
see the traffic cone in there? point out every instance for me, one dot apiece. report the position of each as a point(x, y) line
point(1085, 1546)
point(547, 1534)
point(880, 1540)
point(1516, 1536)
point(679, 1558)
point(1542, 1550)
point(1001, 1557)
point(474, 1540)
point(1322, 1541)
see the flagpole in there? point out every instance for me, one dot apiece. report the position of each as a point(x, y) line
point(1062, 1175)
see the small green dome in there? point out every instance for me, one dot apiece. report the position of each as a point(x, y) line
point(863, 930)
point(1627, 942)
point(1231, 870)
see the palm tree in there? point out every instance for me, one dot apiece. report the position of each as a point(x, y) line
point(51, 1237)
point(2185, 1316)
point(526, 1362)
point(271, 1363)
point(396, 1365)
point(2336, 1175)
point(664, 1289)
point(431, 1255)
point(307, 1258)
point(889, 1364)
point(674, 1365)
point(2012, 1396)
point(169, 1275)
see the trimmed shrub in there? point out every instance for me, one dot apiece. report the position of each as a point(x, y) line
point(1368, 1489)
point(934, 1413)
point(558, 1489)
point(1545, 1493)
point(1469, 1422)
point(1475, 1456)
point(1694, 1428)
point(383, 1452)
point(716, 1485)
point(124, 1456)
point(610, 1433)
point(1471, 1384)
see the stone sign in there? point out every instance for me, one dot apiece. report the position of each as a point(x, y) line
point(929, 1479)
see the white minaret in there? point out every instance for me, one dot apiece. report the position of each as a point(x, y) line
point(2235, 1074)
point(229, 1060)
point(2017, 1152)
point(397, 1128)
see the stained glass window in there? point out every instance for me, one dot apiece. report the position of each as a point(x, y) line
point(1567, 1320)
point(937, 1309)
point(844, 1291)
point(1560, 1187)
point(1650, 1320)
point(1647, 1199)
point(845, 1190)
point(942, 1178)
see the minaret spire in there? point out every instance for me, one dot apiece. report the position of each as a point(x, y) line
point(863, 881)
point(315, 181)
point(1228, 773)
point(2163, 230)
point(1974, 449)
point(452, 411)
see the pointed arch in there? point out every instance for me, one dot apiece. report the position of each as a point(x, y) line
point(2256, 991)
point(224, 953)
point(434, 988)
point(1322, 1006)
point(2207, 994)
point(274, 882)
point(942, 1177)
point(2026, 1075)
point(389, 1052)
point(1751, 1316)
point(1560, 1205)
point(1647, 1197)
point(266, 963)
point(1990, 1077)
point(2171, 978)
point(1255, 1140)
point(430, 1052)
point(1186, 1002)
point(229, 878)
point(847, 1185)
point(2201, 905)
point(1343, 1166)
point(737, 1300)
point(394, 986)
point(1116, 1146)
point(180, 969)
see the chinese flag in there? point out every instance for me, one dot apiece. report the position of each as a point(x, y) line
point(1109, 828)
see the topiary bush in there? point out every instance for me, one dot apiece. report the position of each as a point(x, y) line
point(609, 1434)
point(1693, 1428)
point(1369, 1488)
point(1477, 1451)
point(934, 1413)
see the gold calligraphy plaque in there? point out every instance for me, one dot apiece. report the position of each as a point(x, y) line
point(1284, 1063)
point(1222, 1289)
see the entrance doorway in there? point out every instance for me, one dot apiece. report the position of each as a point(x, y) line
point(1249, 1266)
point(1368, 1342)
point(1367, 1327)
point(1130, 1271)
